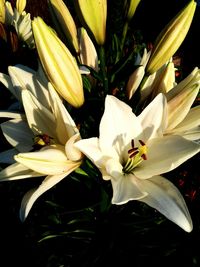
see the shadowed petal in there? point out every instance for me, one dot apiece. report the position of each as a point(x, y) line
point(17, 171)
point(166, 198)
point(18, 134)
point(31, 196)
point(154, 118)
point(118, 126)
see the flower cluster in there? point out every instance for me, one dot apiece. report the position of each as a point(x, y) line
point(79, 106)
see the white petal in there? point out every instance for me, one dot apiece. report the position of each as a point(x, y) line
point(24, 77)
point(118, 127)
point(179, 106)
point(17, 171)
point(40, 119)
point(7, 82)
point(65, 126)
point(192, 120)
point(18, 134)
point(51, 160)
point(124, 186)
point(166, 198)
point(31, 196)
point(90, 148)
point(165, 154)
point(71, 151)
point(153, 118)
point(11, 115)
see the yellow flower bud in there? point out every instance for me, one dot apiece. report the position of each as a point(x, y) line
point(94, 13)
point(59, 65)
point(20, 5)
point(2, 11)
point(88, 53)
point(133, 4)
point(171, 37)
point(64, 22)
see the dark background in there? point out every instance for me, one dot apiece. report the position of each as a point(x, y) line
point(114, 242)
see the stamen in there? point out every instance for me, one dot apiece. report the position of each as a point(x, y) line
point(133, 154)
point(144, 156)
point(142, 143)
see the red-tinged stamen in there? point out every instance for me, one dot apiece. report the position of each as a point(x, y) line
point(133, 154)
point(144, 156)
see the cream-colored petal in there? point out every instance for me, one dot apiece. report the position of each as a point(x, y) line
point(11, 115)
point(17, 171)
point(118, 127)
point(31, 196)
point(125, 189)
point(72, 152)
point(90, 148)
point(179, 106)
point(65, 126)
point(18, 134)
point(192, 120)
point(50, 160)
point(165, 154)
point(166, 198)
point(7, 82)
point(40, 119)
point(153, 118)
point(25, 78)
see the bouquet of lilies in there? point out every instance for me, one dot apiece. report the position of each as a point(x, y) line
point(100, 108)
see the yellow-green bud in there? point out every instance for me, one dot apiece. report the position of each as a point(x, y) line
point(171, 37)
point(94, 13)
point(59, 65)
point(64, 22)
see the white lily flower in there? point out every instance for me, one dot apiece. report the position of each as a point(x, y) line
point(55, 161)
point(132, 152)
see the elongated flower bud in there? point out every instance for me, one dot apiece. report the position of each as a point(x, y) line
point(133, 4)
point(64, 22)
point(171, 37)
point(94, 13)
point(20, 5)
point(2, 11)
point(88, 53)
point(59, 64)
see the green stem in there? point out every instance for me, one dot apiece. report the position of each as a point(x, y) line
point(103, 67)
point(125, 29)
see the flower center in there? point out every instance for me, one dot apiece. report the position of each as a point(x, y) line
point(136, 156)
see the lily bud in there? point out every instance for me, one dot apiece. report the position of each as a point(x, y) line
point(2, 11)
point(20, 5)
point(133, 4)
point(94, 13)
point(88, 53)
point(64, 22)
point(137, 76)
point(171, 37)
point(60, 66)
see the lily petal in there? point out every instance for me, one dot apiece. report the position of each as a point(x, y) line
point(65, 126)
point(166, 198)
point(17, 171)
point(118, 126)
point(31, 196)
point(40, 119)
point(152, 124)
point(51, 160)
point(190, 121)
point(165, 154)
point(125, 187)
point(18, 134)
